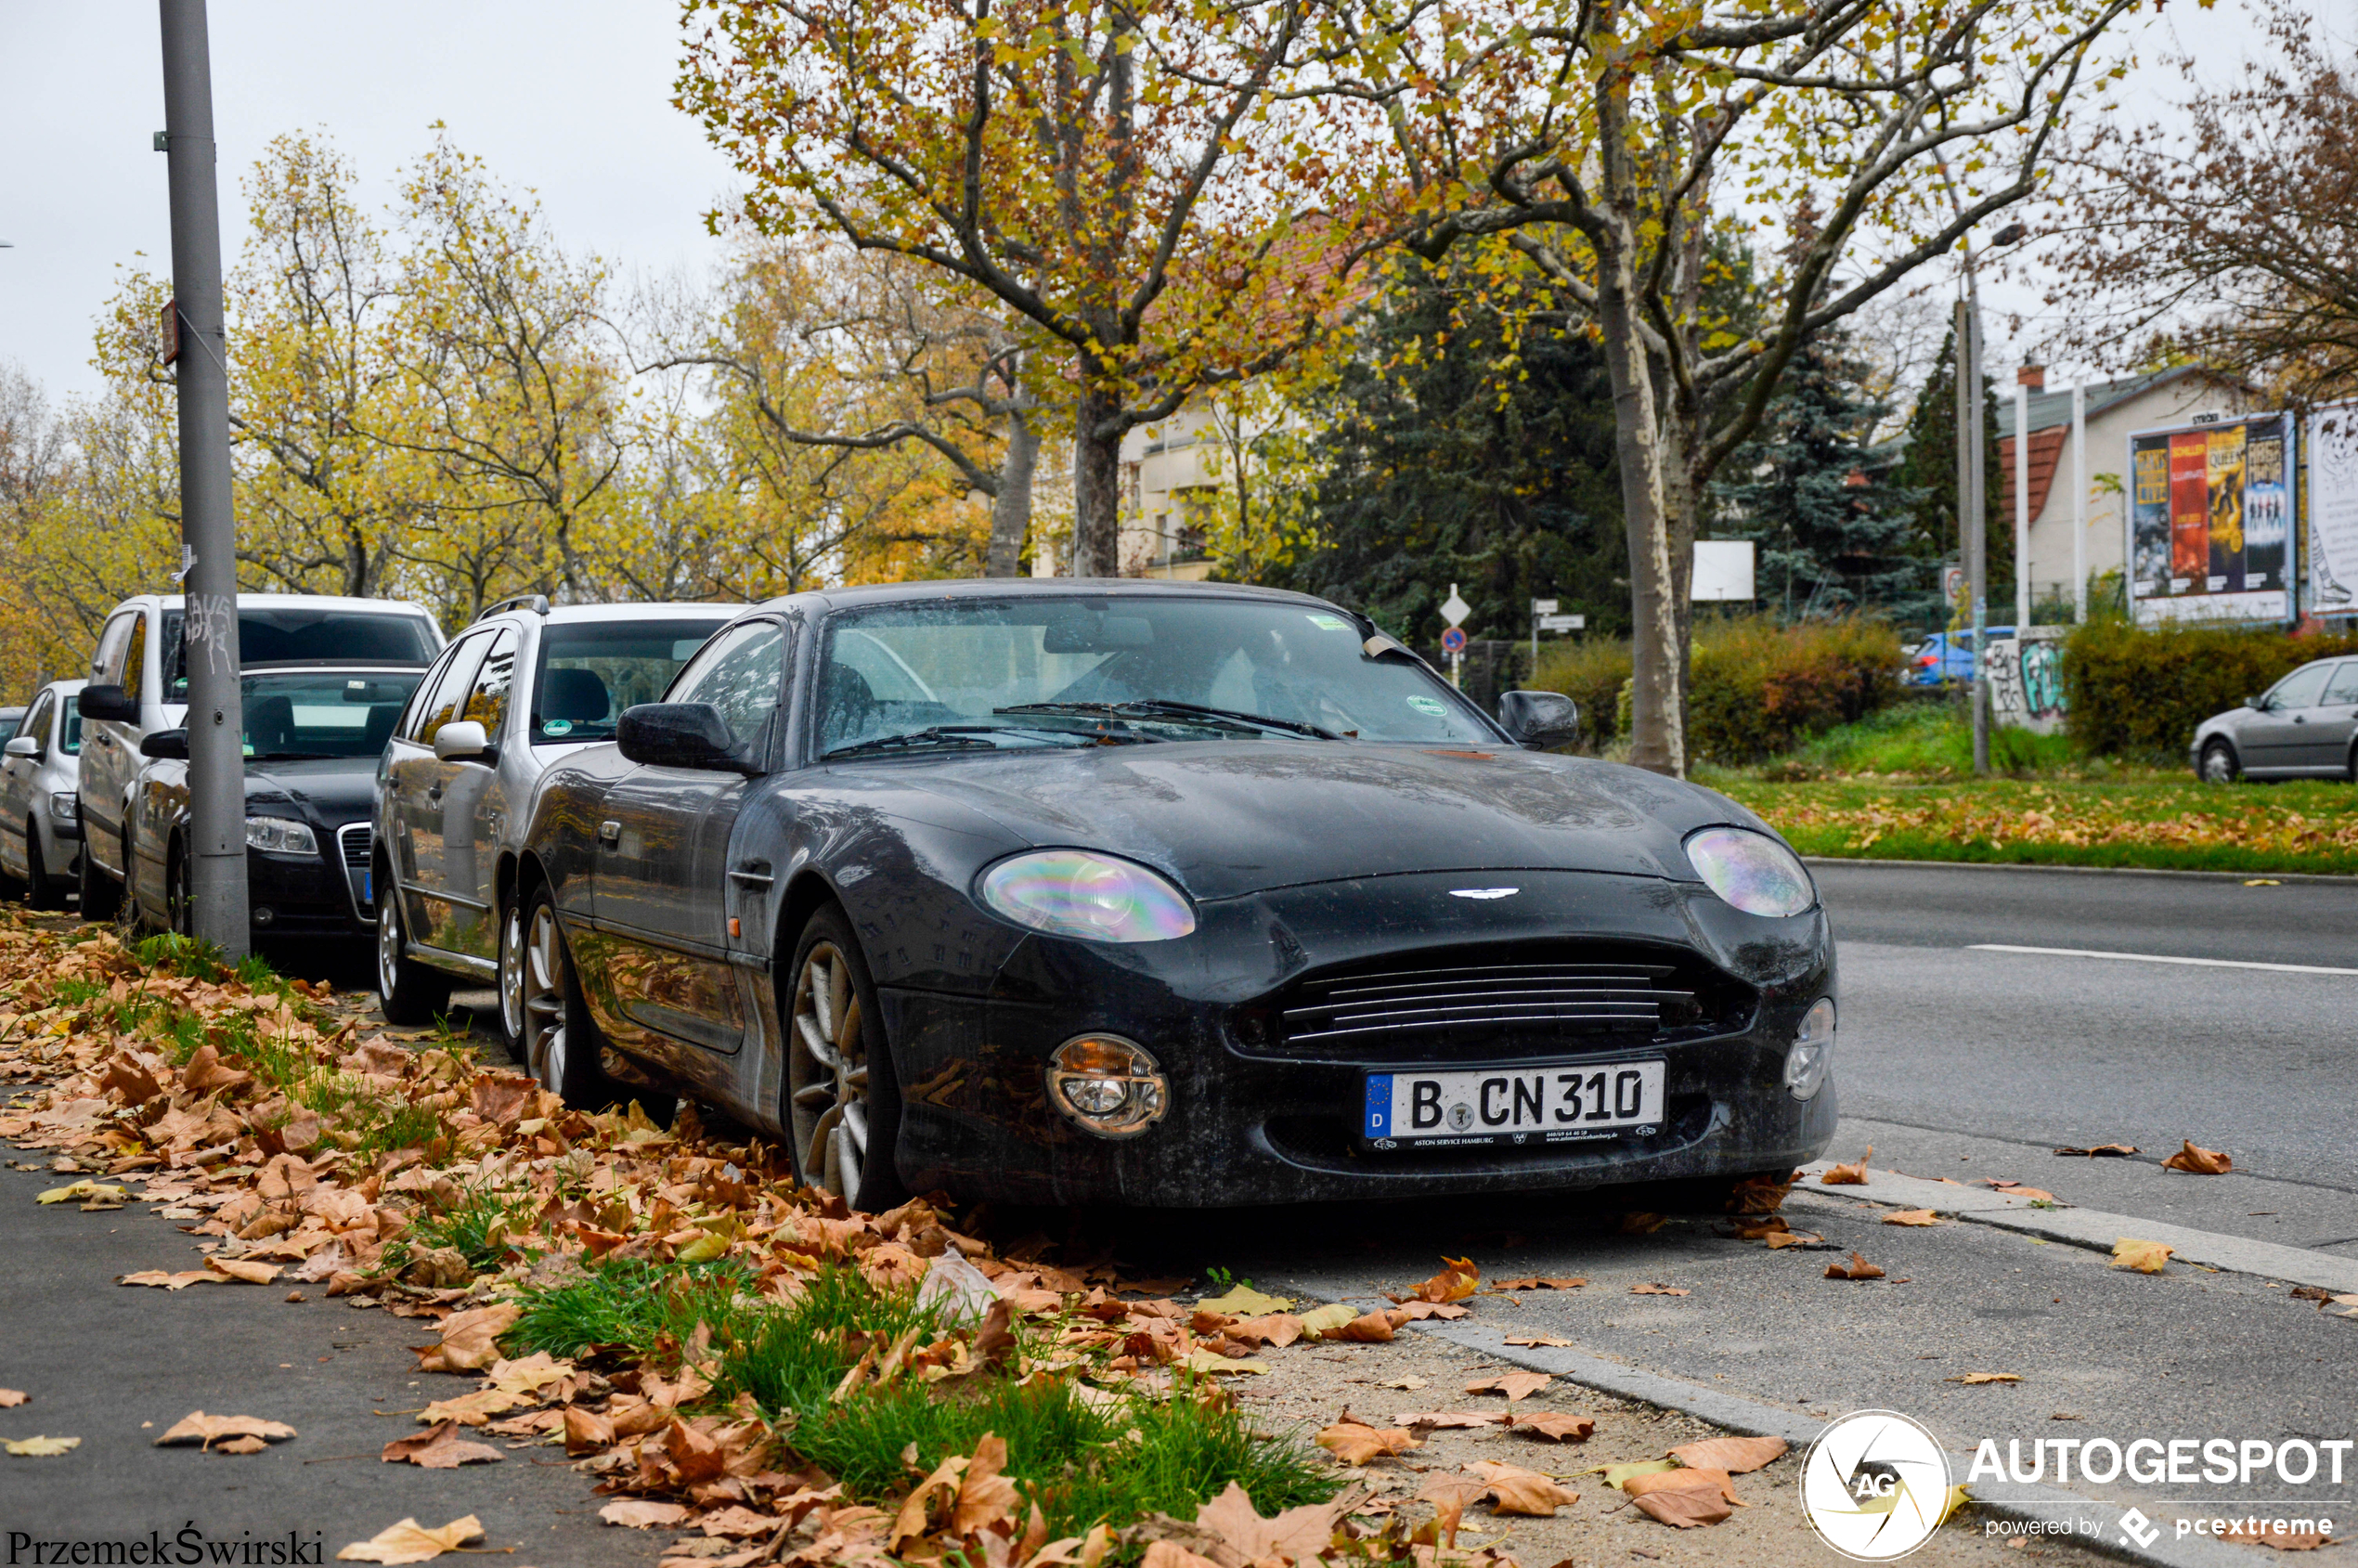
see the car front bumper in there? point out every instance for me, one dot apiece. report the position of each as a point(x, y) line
point(302, 895)
point(1253, 1119)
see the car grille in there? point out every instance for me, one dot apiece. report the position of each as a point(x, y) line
point(358, 841)
point(1609, 996)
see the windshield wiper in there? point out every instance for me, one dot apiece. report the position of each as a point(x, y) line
point(950, 736)
point(1228, 716)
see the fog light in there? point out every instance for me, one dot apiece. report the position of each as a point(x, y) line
point(1107, 1085)
point(263, 915)
point(1813, 1050)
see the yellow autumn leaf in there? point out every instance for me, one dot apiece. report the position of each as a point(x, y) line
point(42, 1447)
point(2145, 1257)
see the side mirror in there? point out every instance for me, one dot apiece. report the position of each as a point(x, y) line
point(171, 743)
point(2257, 704)
point(110, 703)
point(678, 735)
point(461, 741)
point(1539, 720)
point(24, 745)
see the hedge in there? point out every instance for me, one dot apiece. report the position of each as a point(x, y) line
point(2140, 691)
point(1758, 687)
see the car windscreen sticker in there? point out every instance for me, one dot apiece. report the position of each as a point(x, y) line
point(557, 727)
point(1431, 708)
point(1329, 622)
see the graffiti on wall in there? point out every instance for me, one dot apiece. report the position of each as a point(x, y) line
point(2026, 680)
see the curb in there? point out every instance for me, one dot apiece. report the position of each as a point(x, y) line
point(2235, 877)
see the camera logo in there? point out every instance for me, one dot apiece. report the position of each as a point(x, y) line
point(1875, 1485)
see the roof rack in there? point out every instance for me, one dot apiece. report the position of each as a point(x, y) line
point(536, 603)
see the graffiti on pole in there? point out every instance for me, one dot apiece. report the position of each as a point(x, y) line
point(2026, 680)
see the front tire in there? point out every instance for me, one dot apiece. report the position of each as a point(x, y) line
point(411, 992)
point(40, 893)
point(512, 1027)
point(562, 1047)
point(101, 895)
point(2219, 764)
point(178, 916)
point(843, 1102)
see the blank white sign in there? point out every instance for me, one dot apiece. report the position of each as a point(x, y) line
point(1723, 569)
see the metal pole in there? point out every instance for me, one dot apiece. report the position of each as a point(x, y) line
point(2080, 506)
point(215, 715)
point(1972, 509)
point(2022, 508)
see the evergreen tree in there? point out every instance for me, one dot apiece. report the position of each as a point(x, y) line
point(1458, 448)
point(1834, 530)
point(1928, 467)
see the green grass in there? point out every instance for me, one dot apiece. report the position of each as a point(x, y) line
point(478, 1228)
point(1082, 1463)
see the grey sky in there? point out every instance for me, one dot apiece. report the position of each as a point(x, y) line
point(570, 99)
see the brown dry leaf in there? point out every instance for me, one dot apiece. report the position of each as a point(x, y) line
point(1976, 1378)
point(915, 1519)
point(411, 1542)
point(1373, 1327)
point(179, 1281)
point(1911, 1217)
point(1298, 1532)
point(240, 1268)
point(1356, 1444)
point(1514, 1385)
point(1412, 1312)
point(1854, 1175)
point(1657, 1290)
point(1458, 1279)
point(1734, 1456)
point(2196, 1160)
point(1685, 1507)
point(467, 1338)
point(530, 1375)
point(1762, 1194)
point(1171, 1554)
point(1452, 1420)
point(1516, 1490)
point(42, 1447)
point(1555, 1425)
point(10, 1398)
point(204, 1431)
point(1539, 1283)
point(469, 1409)
point(2016, 1189)
point(1449, 1494)
point(440, 1447)
point(1694, 1478)
point(737, 1523)
point(638, 1513)
point(985, 1496)
point(587, 1431)
point(2111, 1151)
point(1640, 1223)
point(1793, 1238)
point(240, 1445)
point(1556, 1339)
point(2282, 1540)
point(1857, 1269)
point(2145, 1257)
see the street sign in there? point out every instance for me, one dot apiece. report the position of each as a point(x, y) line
point(1454, 640)
point(1563, 623)
point(1453, 609)
point(1543, 606)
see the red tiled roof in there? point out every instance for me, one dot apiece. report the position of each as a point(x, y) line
point(2046, 455)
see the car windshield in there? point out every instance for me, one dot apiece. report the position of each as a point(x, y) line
point(591, 670)
point(309, 636)
point(9, 719)
point(308, 714)
point(970, 673)
point(71, 728)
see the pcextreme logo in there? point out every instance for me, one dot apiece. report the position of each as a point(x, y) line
point(1875, 1485)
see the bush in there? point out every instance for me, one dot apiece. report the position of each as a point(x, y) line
point(2139, 691)
point(1756, 687)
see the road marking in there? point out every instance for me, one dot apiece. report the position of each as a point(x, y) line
point(2159, 958)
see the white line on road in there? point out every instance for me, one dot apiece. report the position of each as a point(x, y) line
point(2159, 958)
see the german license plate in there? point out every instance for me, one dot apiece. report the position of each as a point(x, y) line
point(1559, 1102)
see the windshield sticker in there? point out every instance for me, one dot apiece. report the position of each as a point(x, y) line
point(1329, 622)
point(557, 727)
point(1431, 708)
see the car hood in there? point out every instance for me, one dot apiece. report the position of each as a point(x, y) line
point(336, 789)
point(1230, 819)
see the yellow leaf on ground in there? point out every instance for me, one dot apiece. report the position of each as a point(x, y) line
point(1243, 1300)
point(1554, 1426)
point(10, 1398)
point(2145, 1257)
point(1371, 1328)
point(532, 1373)
point(1737, 1456)
point(1204, 1361)
point(1516, 1490)
point(2199, 1161)
point(83, 1192)
point(203, 1429)
point(1911, 1217)
point(180, 1281)
point(469, 1409)
point(1320, 1321)
point(1974, 1379)
point(1617, 1476)
point(1458, 1279)
point(411, 1542)
point(1514, 1385)
point(42, 1447)
point(1657, 1290)
point(1355, 1443)
point(1854, 1175)
point(239, 1268)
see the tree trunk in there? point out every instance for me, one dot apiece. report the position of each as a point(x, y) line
point(1011, 509)
point(1657, 729)
point(1097, 484)
point(1682, 509)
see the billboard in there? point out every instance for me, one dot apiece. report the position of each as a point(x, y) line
point(2210, 520)
point(2333, 511)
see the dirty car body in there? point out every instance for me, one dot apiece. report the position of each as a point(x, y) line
point(1179, 895)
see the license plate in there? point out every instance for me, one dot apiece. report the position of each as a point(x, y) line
point(1557, 1102)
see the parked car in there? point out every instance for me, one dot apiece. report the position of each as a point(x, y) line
point(2303, 727)
point(9, 718)
point(1169, 894)
point(40, 827)
point(138, 686)
point(458, 778)
point(1945, 656)
point(313, 739)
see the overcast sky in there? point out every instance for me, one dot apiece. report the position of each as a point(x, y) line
point(569, 97)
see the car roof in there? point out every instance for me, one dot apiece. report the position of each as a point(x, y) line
point(1033, 588)
point(574, 615)
point(287, 602)
point(361, 669)
point(65, 688)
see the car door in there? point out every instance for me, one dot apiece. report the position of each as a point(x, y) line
point(110, 748)
point(474, 803)
point(416, 782)
point(2274, 740)
point(2331, 724)
point(659, 893)
point(20, 777)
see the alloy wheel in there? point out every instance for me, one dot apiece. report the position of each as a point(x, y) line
point(543, 986)
point(388, 943)
point(827, 1074)
point(2217, 765)
point(511, 973)
point(177, 916)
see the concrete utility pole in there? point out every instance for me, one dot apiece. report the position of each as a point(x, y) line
point(2079, 507)
point(1972, 510)
point(217, 715)
point(2022, 507)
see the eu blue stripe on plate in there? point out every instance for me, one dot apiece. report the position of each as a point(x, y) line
point(1379, 1103)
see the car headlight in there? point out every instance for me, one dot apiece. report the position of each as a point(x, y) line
point(1094, 897)
point(65, 807)
point(281, 837)
point(1812, 1052)
point(1751, 871)
point(1107, 1085)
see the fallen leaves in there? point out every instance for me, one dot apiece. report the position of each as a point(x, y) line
point(2101, 1152)
point(42, 1447)
point(638, 1513)
point(1553, 1425)
point(1557, 1340)
point(1854, 1175)
point(2196, 1160)
point(1911, 1217)
point(411, 1542)
point(1243, 1300)
point(1354, 1443)
point(467, 1338)
point(1657, 1290)
point(10, 1398)
point(2145, 1257)
point(1685, 1499)
point(1428, 1420)
point(205, 1431)
point(1458, 1279)
point(1857, 1269)
point(2016, 1189)
point(1300, 1534)
point(179, 1281)
point(1514, 1385)
point(1974, 1380)
point(439, 1447)
point(245, 1269)
point(1760, 1194)
point(1735, 1456)
point(1539, 1283)
point(1513, 1489)
point(93, 1196)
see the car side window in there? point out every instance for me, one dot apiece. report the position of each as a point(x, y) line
point(487, 701)
point(449, 694)
point(2343, 688)
point(36, 722)
point(105, 666)
point(134, 656)
point(2301, 688)
point(740, 672)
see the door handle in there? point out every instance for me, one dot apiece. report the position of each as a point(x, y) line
point(2301, 719)
point(610, 834)
point(755, 873)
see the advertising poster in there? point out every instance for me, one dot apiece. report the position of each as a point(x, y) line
point(2333, 511)
point(2210, 520)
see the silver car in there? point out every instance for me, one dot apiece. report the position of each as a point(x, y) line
point(40, 826)
point(525, 685)
point(2303, 727)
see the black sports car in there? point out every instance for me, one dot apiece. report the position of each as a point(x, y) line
point(1078, 891)
point(313, 736)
